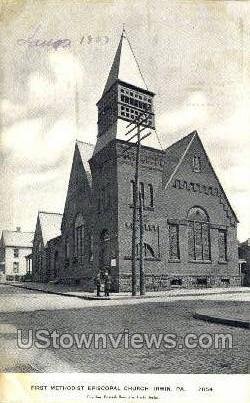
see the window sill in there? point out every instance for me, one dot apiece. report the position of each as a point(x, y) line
point(200, 261)
point(222, 262)
point(174, 261)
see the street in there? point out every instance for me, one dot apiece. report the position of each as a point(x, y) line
point(25, 309)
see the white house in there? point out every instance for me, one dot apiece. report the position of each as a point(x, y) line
point(14, 247)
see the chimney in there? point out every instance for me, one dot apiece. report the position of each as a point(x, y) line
point(18, 229)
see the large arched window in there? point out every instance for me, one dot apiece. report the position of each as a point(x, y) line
point(198, 235)
point(79, 237)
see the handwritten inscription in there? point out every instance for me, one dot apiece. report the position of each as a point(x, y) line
point(35, 40)
point(89, 39)
point(32, 41)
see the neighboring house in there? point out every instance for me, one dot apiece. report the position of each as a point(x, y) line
point(14, 247)
point(48, 226)
point(244, 258)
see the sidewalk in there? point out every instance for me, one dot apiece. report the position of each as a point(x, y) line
point(68, 291)
point(57, 289)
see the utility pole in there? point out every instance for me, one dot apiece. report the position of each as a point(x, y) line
point(142, 282)
point(142, 119)
point(135, 208)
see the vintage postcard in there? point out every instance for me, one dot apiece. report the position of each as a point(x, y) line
point(124, 201)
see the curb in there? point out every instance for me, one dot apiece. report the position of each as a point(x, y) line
point(181, 295)
point(224, 321)
point(125, 297)
point(87, 297)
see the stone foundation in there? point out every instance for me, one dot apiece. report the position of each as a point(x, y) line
point(166, 282)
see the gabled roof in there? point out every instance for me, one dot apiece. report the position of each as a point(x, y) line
point(86, 152)
point(175, 154)
point(50, 225)
point(18, 238)
point(125, 67)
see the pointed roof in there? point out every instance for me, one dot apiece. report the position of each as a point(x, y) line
point(50, 225)
point(86, 152)
point(17, 238)
point(125, 66)
point(175, 154)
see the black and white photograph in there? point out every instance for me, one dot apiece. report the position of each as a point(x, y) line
point(124, 201)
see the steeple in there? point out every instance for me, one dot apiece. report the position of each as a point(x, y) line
point(125, 66)
point(125, 98)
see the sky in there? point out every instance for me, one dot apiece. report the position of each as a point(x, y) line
point(195, 56)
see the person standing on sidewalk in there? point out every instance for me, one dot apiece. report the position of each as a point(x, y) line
point(98, 284)
point(107, 284)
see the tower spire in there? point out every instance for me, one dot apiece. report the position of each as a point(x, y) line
point(125, 66)
point(125, 98)
point(123, 30)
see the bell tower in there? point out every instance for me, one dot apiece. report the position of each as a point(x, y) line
point(125, 98)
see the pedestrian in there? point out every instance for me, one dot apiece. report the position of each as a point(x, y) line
point(107, 284)
point(98, 284)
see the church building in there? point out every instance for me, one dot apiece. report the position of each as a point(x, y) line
point(190, 228)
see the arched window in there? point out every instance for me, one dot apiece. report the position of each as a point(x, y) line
point(67, 248)
point(198, 235)
point(79, 237)
point(142, 193)
point(147, 193)
point(196, 163)
point(151, 195)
